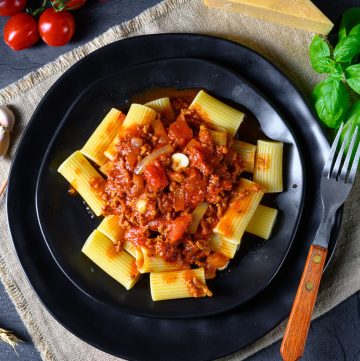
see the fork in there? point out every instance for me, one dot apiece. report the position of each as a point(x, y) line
point(337, 179)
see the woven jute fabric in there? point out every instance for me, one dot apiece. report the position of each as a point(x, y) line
point(284, 46)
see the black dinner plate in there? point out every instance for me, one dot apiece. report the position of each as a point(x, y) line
point(141, 338)
point(65, 221)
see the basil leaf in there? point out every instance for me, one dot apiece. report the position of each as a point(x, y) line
point(350, 18)
point(355, 30)
point(320, 58)
point(319, 47)
point(352, 74)
point(347, 48)
point(331, 101)
point(336, 70)
point(353, 121)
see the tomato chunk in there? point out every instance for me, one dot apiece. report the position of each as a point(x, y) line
point(178, 227)
point(199, 156)
point(155, 177)
point(179, 132)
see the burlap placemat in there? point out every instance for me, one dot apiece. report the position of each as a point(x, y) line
point(285, 47)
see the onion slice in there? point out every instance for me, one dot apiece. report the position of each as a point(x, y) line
point(197, 215)
point(151, 157)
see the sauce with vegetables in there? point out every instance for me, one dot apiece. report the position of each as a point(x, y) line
point(156, 201)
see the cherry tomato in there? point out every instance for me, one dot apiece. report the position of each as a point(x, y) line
point(21, 31)
point(11, 7)
point(56, 28)
point(67, 4)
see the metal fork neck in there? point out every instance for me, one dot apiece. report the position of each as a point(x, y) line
point(323, 233)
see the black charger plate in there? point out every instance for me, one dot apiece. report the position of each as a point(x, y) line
point(65, 222)
point(141, 338)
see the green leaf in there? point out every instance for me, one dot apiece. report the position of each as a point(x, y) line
point(331, 101)
point(319, 47)
point(319, 54)
point(355, 30)
point(352, 74)
point(336, 70)
point(353, 121)
point(350, 18)
point(347, 48)
point(320, 58)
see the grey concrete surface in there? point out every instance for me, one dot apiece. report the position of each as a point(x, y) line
point(333, 337)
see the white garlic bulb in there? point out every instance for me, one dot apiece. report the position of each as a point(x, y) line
point(7, 118)
point(4, 141)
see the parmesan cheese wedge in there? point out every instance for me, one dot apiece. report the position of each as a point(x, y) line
point(301, 14)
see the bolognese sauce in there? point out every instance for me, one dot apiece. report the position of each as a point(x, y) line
point(155, 199)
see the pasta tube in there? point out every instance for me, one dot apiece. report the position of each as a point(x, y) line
point(146, 262)
point(112, 229)
point(217, 113)
point(79, 172)
point(119, 265)
point(219, 136)
point(219, 243)
point(247, 152)
point(138, 115)
point(102, 137)
point(233, 223)
point(268, 165)
point(262, 222)
point(178, 284)
point(162, 106)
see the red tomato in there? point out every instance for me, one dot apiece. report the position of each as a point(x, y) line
point(67, 4)
point(21, 31)
point(178, 227)
point(56, 28)
point(155, 177)
point(11, 7)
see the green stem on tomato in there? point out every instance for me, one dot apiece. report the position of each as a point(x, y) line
point(60, 5)
point(38, 11)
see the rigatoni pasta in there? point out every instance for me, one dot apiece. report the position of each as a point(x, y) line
point(217, 113)
point(147, 261)
point(268, 165)
point(247, 152)
point(178, 284)
point(78, 171)
point(138, 115)
point(262, 222)
point(242, 207)
point(102, 137)
point(117, 264)
point(219, 243)
point(110, 226)
point(163, 107)
point(171, 190)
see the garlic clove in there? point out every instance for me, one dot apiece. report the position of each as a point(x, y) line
point(7, 118)
point(179, 161)
point(141, 206)
point(4, 141)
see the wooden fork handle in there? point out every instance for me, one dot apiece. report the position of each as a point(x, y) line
point(293, 344)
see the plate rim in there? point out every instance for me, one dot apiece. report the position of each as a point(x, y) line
point(157, 314)
point(237, 45)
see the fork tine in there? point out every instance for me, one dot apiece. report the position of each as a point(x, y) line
point(330, 160)
point(354, 165)
point(339, 158)
point(345, 167)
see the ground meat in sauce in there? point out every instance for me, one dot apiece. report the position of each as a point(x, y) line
point(168, 198)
